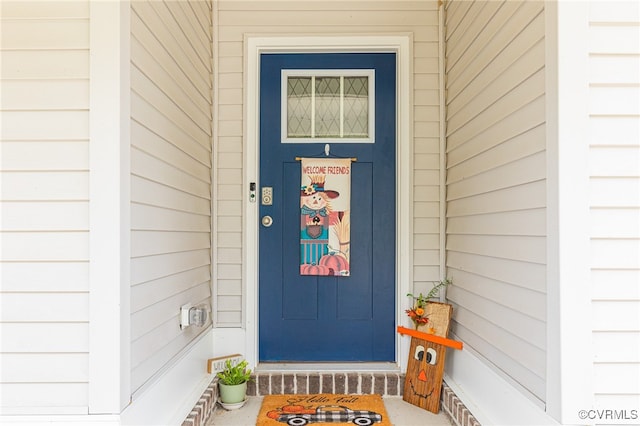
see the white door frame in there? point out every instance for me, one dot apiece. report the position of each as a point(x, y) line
point(401, 44)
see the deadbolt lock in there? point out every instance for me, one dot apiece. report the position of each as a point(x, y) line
point(267, 195)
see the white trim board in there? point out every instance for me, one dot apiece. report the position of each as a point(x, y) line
point(109, 198)
point(172, 397)
point(488, 396)
point(401, 44)
point(569, 366)
point(61, 420)
point(167, 401)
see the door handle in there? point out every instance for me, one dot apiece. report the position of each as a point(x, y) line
point(267, 221)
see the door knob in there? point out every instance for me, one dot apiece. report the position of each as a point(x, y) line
point(267, 221)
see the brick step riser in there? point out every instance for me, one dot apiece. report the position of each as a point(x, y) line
point(386, 384)
point(351, 383)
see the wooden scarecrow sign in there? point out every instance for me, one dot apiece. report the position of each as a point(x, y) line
point(427, 353)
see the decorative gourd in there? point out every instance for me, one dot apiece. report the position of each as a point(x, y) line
point(308, 269)
point(337, 262)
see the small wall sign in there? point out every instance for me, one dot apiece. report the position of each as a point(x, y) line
point(216, 365)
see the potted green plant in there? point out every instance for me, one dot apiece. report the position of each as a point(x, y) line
point(233, 383)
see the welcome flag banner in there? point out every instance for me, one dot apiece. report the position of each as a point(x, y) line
point(325, 223)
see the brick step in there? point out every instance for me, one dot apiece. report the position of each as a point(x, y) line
point(385, 384)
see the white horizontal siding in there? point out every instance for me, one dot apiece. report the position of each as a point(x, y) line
point(234, 20)
point(159, 195)
point(47, 64)
point(52, 307)
point(61, 155)
point(35, 277)
point(614, 160)
point(146, 320)
point(500, 348)
point(171, 112)
point(615, 284)
point(43, 33)
point(157, 290)
point(52, 125)
point(150, 353)
point(496, 179)
point(165, 173)
point(43, 94)
point(35, 368)
point(44, 300)
point(58, 397)
point(149, 268)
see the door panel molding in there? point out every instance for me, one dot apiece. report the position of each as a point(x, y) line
point(401, 44)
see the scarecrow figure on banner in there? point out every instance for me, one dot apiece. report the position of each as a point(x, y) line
point(325, 194)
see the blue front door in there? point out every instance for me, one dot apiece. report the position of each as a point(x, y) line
point(328, 318)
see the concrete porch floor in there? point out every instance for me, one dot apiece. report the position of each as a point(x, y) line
point(400, 413)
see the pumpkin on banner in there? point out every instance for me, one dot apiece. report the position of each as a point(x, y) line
point(309, 269)
point(337, 262)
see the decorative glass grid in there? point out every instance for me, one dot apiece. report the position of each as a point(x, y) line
point(356, 107)
point(333, 107)
point(299, 107)
point(327, 107)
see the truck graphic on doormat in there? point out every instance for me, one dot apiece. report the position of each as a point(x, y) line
point(331, 414)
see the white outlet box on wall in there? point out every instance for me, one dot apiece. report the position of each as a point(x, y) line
point(184, 315)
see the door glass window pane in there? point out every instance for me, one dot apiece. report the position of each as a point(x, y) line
point(299, 107)
point(328, 105)
point(356, 107)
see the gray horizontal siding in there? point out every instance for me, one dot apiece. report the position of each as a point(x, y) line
point(171, 127)
point(496, 178)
